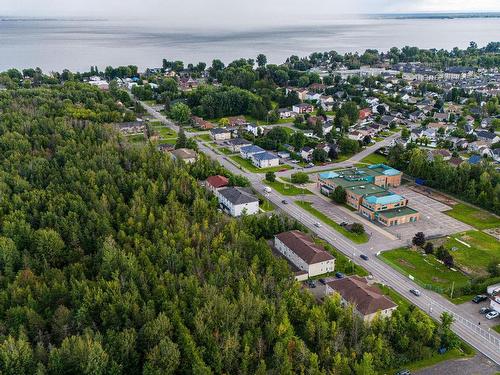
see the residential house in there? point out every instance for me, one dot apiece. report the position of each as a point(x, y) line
point(365, 113)
point(304, 253)
point(306, 153)
point(237, 121)
point(326, 102)
point(236, 144)
point(367, 300)
point(458, 72)
point(302, 108)
point(455, 162)
point(265, 159)
point(130, 128)
point(327, 127)
point(445, 154)
point(165, 147)
point(487, 136)
point(356, 135)
point(237, 201)
point(313, 96)
point(285, 113)
point(220, 134)
point(217, 182)
point(246, 152)
point(200, 123)
point(185, 154)
point(441, 116)
point(256, 130)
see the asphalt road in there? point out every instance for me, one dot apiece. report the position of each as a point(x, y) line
point(465, 325)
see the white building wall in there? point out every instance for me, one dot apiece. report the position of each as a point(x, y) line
point(251, 209)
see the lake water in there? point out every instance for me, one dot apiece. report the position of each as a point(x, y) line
point(78, 44)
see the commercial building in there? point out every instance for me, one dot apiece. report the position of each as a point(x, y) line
point(367, 192)
point(265, 159)
point(300, 249)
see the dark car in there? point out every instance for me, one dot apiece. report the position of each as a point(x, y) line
point(284, 201)
point(322, 281)
point(364, 257)
point(403, 372)
point(479, 298)
point(339, 275)
point(485, 310)
point(311, 283)
point(343, 224)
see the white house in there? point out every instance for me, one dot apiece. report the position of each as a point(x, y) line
point(246, 152)
point(265, 160)
point(307, 256)
point(302, 108)
point(255, 129)
point(286, 113)
point(236, 201)
point(306, 153)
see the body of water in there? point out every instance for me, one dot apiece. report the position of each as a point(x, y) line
point(78, 44)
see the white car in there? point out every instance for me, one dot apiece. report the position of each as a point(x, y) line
point(317, 225)
point(492, 315)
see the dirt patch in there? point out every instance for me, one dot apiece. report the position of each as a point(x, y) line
point(406, 263)
point(438, 280)
point(433, 194)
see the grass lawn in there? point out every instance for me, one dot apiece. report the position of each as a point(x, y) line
point(286, 189)
point(136, 138)
point(356, 238)
point(247, 164)
point(461, 299)
point(204, 137)
point(342, 263)
point(476, 217)
point(374, 159)
point(225, 150)
point(474, 259)
point(496, 328)
point(265, 205)
point(165, 132)
point(426, 270)
point(402, 302)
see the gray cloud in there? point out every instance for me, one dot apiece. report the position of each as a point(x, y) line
point(231, 13)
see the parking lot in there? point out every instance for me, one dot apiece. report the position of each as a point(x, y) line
point(472, 310)
point(433, 222)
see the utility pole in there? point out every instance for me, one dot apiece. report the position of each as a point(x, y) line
point(452, 289)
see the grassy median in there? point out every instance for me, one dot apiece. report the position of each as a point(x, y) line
point(354, 237)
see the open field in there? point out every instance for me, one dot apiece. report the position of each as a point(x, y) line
point(476, 217)
point(473, 260)
point(247, 164)
point(164, 131)
point(374, 159)
point(356, 238)
point(286, 189)
point(265, 205)
point(204, 137)
point(426, 270)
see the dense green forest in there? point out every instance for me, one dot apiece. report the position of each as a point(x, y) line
point(478, 184)
point(113, 260)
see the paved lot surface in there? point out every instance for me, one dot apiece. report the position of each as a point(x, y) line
point(433, 222)
point(473, 310)
point(478, 365)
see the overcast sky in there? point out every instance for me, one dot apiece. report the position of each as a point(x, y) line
point(193, 13)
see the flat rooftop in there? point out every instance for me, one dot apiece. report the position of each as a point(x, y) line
point(366, 189)
point(398, 212)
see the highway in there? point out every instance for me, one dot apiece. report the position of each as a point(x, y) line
point(465, 325)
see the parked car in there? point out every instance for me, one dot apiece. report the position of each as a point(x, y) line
point(311, 283)
point(364, 257)
point(339, 275)
point(485, 310)
point(492, 315)
point(415, 292)
point(317, 225)
point(403, 372)
point(343, 224)
point(479, 298)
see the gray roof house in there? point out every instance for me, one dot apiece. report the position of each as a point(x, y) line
point(237, 201)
